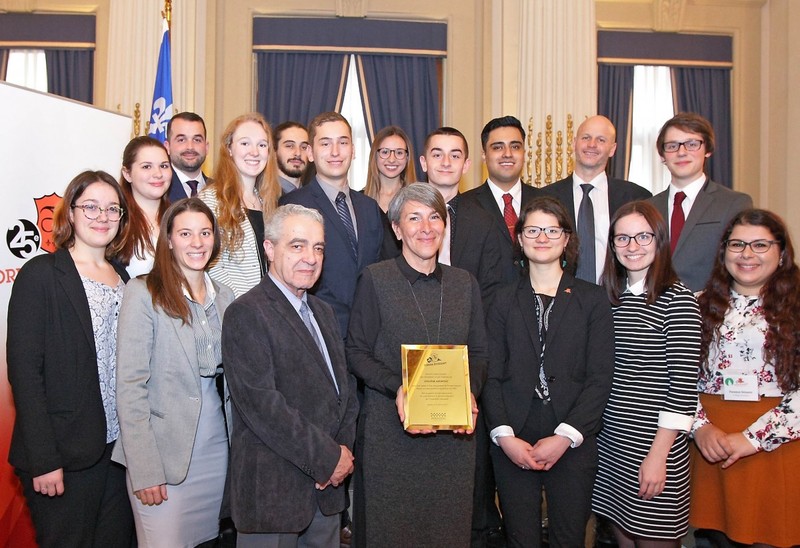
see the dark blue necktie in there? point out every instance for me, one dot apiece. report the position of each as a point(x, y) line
point(347, 221)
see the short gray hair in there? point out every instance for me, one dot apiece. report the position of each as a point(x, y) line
point(417, 192)
point(274, 224)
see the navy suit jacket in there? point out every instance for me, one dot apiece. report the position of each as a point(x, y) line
point(701, 236)
point(288, 419)
point(176, 190)
point(483, 197)
point(337, 284)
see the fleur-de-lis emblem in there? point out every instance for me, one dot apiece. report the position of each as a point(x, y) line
point(162, 114)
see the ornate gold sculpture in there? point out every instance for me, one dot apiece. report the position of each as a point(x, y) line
point(557, 165)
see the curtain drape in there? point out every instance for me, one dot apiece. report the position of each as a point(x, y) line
point(707, 91)
point(614, 100)
point(3, 63)
point(400, 90)
point(70, 73)
point(298, 86)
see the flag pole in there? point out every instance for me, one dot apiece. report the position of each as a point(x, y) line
point(167, 14)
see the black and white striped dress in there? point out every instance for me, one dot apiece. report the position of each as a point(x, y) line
point(655, 383)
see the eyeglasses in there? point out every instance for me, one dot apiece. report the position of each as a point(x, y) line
point(399, 153)
point(756, 246)
point(552, 232)
point(93, 211)
point(624, 240)
point(692, 145)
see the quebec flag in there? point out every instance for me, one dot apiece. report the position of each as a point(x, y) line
point(162, 93)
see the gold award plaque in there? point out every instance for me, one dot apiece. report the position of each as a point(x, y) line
point(436, 387)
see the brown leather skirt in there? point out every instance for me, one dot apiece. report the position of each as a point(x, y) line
point(757, 499)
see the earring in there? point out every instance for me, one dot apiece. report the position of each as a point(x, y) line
point(780, 263)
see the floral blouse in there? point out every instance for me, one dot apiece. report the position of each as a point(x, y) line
point(104, 303)
point(739, 347)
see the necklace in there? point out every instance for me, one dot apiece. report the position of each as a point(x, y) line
point(424, 322)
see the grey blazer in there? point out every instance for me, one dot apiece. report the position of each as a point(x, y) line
point(158, 388)
point(700, 238)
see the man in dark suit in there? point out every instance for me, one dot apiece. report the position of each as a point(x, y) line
point(470, 241)
point(294, 403)
point(354, 231)
point(503, 194)
point(696, 208)
point(187, 146)
point(595, 142)
point(290, 140)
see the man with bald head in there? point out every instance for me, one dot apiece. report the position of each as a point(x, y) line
point(590, 196)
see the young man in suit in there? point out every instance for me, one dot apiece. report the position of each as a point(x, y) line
point(187, 146)
point(469, 239)
point(595, 142)
point(352, 220)
point(503, 193)
point(294, 403)
point(697, 208)
point(290, 140)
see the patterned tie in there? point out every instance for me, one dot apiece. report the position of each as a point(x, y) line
point(306, 317)
point(347, 221)
point(586, 258)
point(193, 186)
point(677, 220)
point(509, 215)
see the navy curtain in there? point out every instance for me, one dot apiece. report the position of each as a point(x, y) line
point(298, 86)
point(70, 73)
point(707, 91)
point(400, 90)
point(614, 101)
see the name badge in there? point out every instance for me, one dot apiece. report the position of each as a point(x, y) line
point(739, 387)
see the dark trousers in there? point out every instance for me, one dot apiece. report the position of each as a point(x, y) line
point(485, 515)
point(568, 486)
point(93, 511)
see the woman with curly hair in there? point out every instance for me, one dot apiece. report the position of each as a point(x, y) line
point(244, 190)
point(145, 179)
point(745, 473)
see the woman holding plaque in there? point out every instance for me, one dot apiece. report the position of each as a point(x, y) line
point(551, 345)
point(745, 474)
point(417, 485)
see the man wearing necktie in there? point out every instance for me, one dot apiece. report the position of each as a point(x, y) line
point(294, 402)
point(697, 209)
point(187, 146)
point(590, 196)
point(353, 226)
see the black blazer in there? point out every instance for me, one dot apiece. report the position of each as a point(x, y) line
point(620, 192)
point(176, 190)
point(288, 420)
point(697, 247)
point(483, 197)
point(579, 360)
point(477, 248)
point(52, 367)
point(337, 284)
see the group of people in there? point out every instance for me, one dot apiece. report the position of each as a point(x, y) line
point(203, 348)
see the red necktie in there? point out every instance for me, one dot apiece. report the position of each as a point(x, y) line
point(677, 221)
point(509, 215)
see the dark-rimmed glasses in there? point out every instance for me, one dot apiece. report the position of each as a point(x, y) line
point(399, 153)
point(692, 145)
point(552, 232)
point(624, 240)
point(756, 246)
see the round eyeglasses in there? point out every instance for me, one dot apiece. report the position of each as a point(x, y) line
point(93, 211)
point(756, 246)
point(692, 145)
point(624, 240)
point(552, 232)
point(399, 153)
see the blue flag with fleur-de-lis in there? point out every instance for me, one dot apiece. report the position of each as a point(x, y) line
point(162, 92)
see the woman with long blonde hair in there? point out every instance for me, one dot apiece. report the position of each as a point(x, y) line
point(245, 189)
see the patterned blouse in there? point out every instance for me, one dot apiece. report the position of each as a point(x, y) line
point(104, 303)
point(739, 347)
